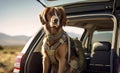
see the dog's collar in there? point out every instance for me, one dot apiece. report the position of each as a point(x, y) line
point(55, 37)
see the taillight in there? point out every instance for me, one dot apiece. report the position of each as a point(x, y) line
point(17, 63)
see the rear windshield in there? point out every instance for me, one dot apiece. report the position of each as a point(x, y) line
point(67, 2)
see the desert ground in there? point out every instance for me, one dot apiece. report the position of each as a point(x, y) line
point(7, 58)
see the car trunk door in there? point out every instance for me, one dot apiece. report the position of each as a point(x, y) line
point(83, 6)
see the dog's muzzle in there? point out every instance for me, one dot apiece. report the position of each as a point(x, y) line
point(55, 21)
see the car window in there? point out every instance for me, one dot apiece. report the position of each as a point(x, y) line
point(74, 32)
point(102, 36)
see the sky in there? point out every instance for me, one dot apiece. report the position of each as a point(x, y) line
point(20, 17)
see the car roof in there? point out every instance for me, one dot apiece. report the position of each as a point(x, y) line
point(98, 21)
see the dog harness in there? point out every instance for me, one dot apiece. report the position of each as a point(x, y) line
point(51, 49)
point(72, 50)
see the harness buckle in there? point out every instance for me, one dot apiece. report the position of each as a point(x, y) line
point(61, 41)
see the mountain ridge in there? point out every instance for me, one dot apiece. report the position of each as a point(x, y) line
point(13, 40)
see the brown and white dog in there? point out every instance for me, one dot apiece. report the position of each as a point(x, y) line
point(53, 19)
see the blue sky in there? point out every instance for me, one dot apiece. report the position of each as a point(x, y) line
point(19, 17)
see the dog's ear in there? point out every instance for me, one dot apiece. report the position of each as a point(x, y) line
point(63, 17)
point(43, 15)
point(42, 19)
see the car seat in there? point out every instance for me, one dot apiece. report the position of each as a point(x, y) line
point(100, 57)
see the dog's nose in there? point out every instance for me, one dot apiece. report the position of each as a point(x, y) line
point(55, 20)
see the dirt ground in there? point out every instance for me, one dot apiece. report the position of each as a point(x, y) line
point(7, 58)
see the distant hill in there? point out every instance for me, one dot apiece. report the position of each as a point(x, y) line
point(13, 40)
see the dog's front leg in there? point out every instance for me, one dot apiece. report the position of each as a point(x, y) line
point(61, 57)
point(62, 63)
point(46, 64)
point(45, 61)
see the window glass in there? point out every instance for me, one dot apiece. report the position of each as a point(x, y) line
point(102, 36)
point(74, 32)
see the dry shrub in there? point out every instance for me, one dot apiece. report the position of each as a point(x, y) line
point(12, 52)
point(5, 52)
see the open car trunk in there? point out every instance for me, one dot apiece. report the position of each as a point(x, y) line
point(92, 16)
point(91, 23)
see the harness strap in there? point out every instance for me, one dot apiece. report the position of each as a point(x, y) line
point(54, 37)
point(51, 49)
point(61, 41)
point(69, 47)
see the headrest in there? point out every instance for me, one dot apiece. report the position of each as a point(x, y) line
point(102, 46)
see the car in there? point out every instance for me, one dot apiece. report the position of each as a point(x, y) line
point(99, 24)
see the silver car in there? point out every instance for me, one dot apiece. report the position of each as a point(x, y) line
point(98, 21)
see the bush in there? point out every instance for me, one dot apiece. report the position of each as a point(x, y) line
point(1, 48)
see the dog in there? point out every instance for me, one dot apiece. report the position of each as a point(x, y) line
point(55, 45)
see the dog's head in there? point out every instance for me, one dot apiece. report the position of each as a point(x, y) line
point(53, 18)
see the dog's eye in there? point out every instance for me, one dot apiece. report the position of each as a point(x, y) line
point(51, 13)
point(59, 14)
